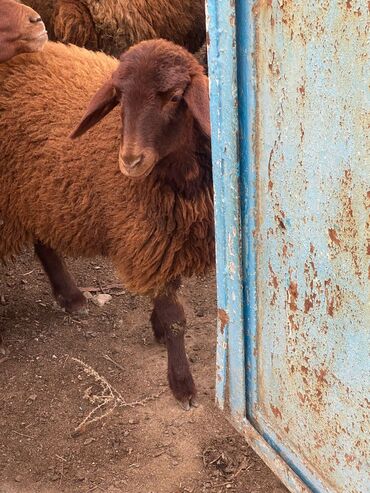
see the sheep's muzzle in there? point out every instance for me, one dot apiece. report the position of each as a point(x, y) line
point(137, 164)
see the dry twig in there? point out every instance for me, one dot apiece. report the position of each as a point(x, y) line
point(108, 358)
point(106, 402)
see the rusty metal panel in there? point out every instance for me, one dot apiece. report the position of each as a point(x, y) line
point(290, 98)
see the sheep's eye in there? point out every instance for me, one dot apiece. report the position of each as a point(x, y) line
point(176, 98)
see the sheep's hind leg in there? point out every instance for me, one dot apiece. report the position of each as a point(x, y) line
point(64, 287)
point(169, 324)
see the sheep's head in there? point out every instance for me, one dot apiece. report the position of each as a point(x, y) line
point(21, 30)
point(163, 94)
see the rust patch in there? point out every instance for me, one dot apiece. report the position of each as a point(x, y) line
point(280, 221)
point(349, 458)
point(274, 278)
point(301, 397)
point(349, 4)
point(292, 322)
point(274, 283)
point(321, 374)
point(346, 237)
point(260, 6)
point(333, 236)
point(276, 412)
point(293, 295)
point(223, 317)
point(312, 295)
point(333, 295)
point(304, 370)
point(270, 184)
point(302, 90)
point(308, 304)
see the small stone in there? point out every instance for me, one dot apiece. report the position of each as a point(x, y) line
point(88, 441)
point(126, 433)
point(18, 478)
point(131, 421)
point(32, 397)
point(88, 295)
point(80, 475)
point(101, 299)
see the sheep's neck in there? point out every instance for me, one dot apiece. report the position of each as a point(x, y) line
point(188, 171)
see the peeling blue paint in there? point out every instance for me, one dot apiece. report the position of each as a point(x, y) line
point(290, 114)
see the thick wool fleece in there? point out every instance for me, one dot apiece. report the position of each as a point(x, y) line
point(114, 25)
point(70, 195)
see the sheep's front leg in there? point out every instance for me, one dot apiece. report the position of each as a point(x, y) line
point(64, 287)
point(169, 325)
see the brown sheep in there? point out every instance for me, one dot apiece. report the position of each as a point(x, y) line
point(201, 57)
point(21, 30)
point(137, 188)
point(113, 26)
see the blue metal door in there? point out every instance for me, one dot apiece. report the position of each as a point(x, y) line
point(290, 113)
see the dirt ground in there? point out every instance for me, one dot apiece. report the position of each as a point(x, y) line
point(146, 443)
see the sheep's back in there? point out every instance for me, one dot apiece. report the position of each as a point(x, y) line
point(48, 183)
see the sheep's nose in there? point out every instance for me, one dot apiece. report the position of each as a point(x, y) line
point(34, 18)
point(132, 161)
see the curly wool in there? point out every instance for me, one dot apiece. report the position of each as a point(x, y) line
point(113, 26)
point(71, 195)
point(127, 22)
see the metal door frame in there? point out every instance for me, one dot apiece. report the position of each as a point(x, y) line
point(233, 107)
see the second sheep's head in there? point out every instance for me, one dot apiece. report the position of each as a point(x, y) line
point(163, 94)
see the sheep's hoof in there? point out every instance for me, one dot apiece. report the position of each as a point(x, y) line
point(187, 404)
point(74, 305)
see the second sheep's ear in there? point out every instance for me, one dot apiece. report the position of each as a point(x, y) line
point(101, 104)
point(197, 99)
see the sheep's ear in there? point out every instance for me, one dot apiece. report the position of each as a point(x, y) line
point(101, 104)
point(197, 99)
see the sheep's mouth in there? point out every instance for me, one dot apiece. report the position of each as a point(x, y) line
point(139, 171)
point(33, 43)
point(39, 36)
